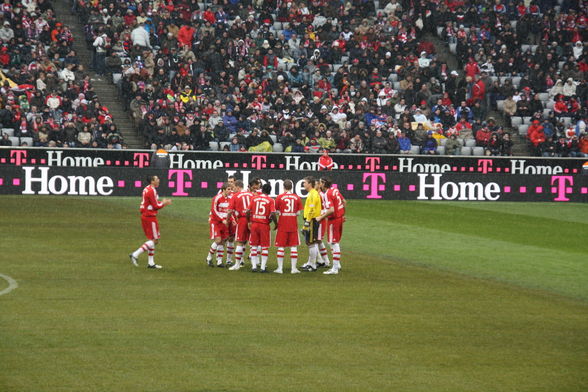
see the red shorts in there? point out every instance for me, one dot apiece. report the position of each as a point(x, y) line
point(150, 227)
point(287, 239)
point(217, 229)
point(335, 230)
point(322, 230)
point(232, 228)
point(260, 234)
point(242, 230)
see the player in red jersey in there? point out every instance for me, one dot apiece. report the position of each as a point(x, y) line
point(335, 216)
point(219, 228)
point(232, 224)
point(261, 213)
point(238, 207)
point(288, 207)
point(150, 205)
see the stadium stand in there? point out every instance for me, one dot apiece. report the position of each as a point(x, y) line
point(46, 95)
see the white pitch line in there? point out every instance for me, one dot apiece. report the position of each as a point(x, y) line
point(11, 284)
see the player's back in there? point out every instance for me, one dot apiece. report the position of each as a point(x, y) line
point(337, 201)
point(288, 205)
point(241, 202)
point(261, 208)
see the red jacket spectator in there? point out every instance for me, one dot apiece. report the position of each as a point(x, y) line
point(472, 68)
point(185, 35)
point(325, 161)
point(534, 128)
point(479, 91)
point(560, 106)
point(482, 136)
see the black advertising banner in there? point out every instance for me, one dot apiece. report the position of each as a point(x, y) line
point(438, 183)
point(202, 160)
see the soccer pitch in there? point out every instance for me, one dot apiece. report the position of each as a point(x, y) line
point(432, 297)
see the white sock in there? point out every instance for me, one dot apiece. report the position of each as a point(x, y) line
point(151, 256)
point(230, 249)
point(211, 251)
point(143, 248)
point(264, 256)
point(336, 248)
point(220, 252)
point(294, 257)
point(280, 257)
point(238, 254)
point(254, 257)
point(312, 254)
point(324, 254)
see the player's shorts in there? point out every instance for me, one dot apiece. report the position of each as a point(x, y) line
point(312, 234)
point(322, 231)
point(150, 227)
point(232, 228)
point(242, 230)
point(260, 234)
point(286, 239)
point(335, 230)
point(218, 229)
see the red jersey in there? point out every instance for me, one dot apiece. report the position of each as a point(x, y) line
point(325, 203)
point(287, 205)
point(261, 208)
point(150, 203)
point(337, 201)
point(240, 202)
point(219, 208)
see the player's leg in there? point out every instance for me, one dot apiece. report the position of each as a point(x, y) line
point(335, 231)
point(230, 250)
point(151, 250)
point(280, 258)
point(216, 237)
point(254, 242)
point(150, 243)
point(294, 259)
point(220, 253)
point(324, 255)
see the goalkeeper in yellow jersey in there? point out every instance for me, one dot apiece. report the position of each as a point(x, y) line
point(312, 210)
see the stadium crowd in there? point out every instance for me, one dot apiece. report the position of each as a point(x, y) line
point(354, 76)
point(46, 95)
point(529, 60)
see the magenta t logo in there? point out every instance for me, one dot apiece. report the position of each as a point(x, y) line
point(180, 184)
point(485, 164)
point(372, 184)
point(372, 162)
point(141, 159)
point(561, 187)
point(257, 161)
point(18, 156)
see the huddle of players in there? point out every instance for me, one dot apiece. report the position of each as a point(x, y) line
point(239, 216)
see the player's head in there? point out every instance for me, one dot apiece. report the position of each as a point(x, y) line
point(254, 184)
point(239, 184)
point(225, 188)
point(326, 183)
point(231, 180)
point(288, 185)
point(266, 188)
point(309, 183)
point(153, 180)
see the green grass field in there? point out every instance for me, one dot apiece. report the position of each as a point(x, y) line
point(433, 297)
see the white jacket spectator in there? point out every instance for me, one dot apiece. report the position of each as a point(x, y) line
point(6, 33)
point(140, 37)
point(67, 75)
point(569, 89)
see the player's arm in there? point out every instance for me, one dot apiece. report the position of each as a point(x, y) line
point(214, 212)
point(156, 204)
point(274, 219)
point(329, 211)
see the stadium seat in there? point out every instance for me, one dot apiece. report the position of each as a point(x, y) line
point(274, 138)
point(394, 77)
point(527, 120)
point(523, 129)
point(8, 131)
point(466, 151)
point(470, 143)
point(544, 97)
point(442, 142)
point(116, 77)
point(439, 31)
point(278, 147)
point(27, 140)
point(516, 80)
point(344, 59)
point(14, 140)
point(396, 85)
point(336, 67)
point(278, 26)
point(549, 105)
point(223, 144)
point(452, 48)
point(566, 120)
point(525, 48)
point(500, 105)
point(415, 150)
point(546, 112)
point(516, 121)
point(441, 150)
point(213, 146)
point(478, 151)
